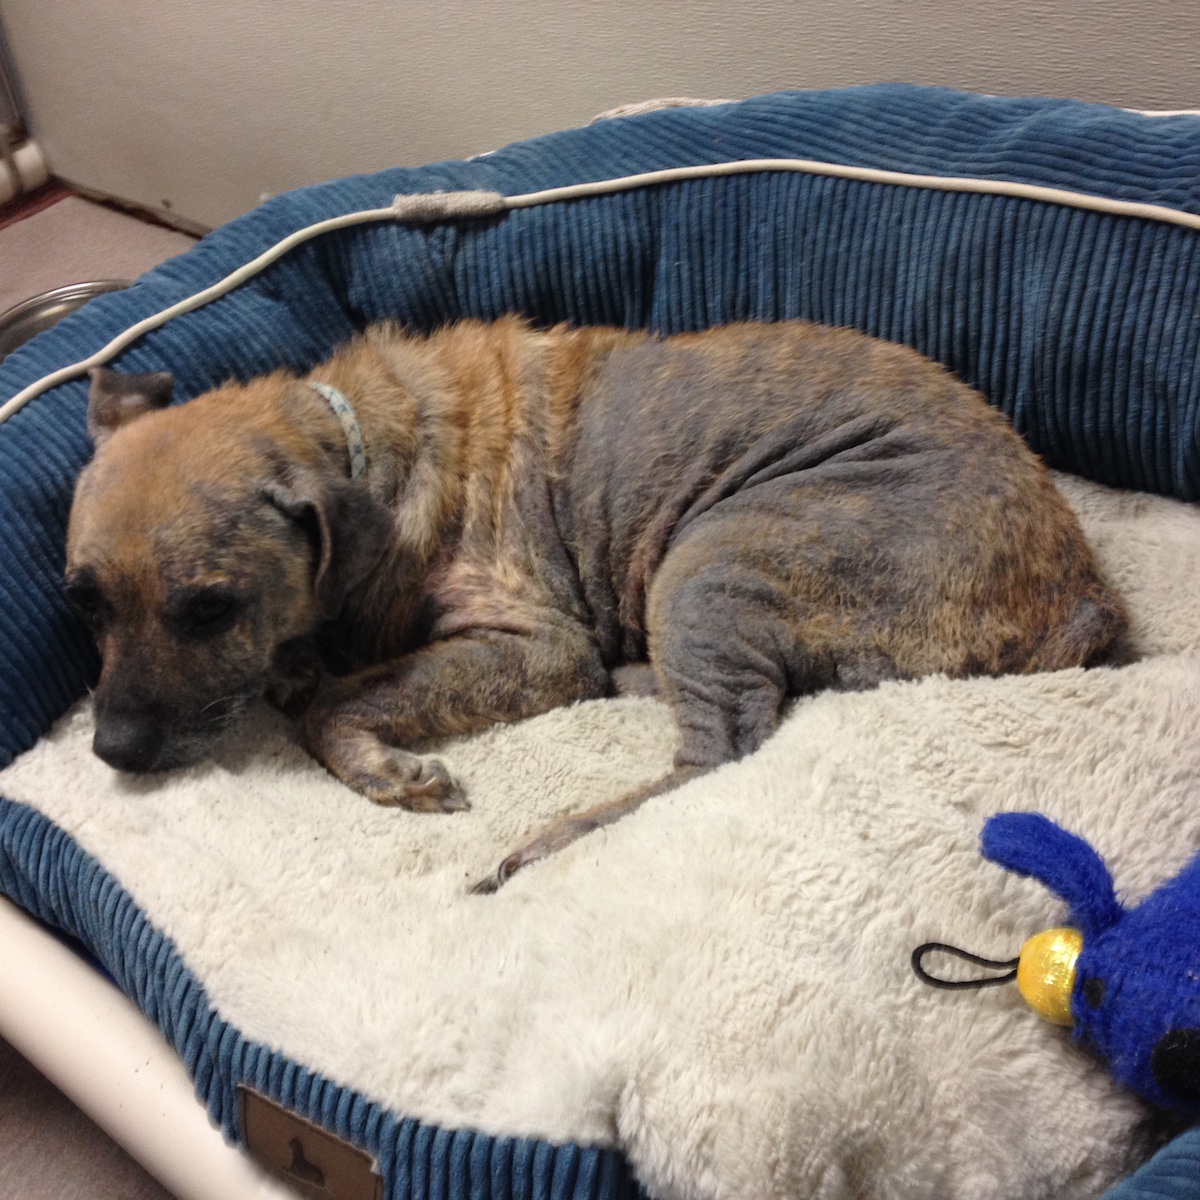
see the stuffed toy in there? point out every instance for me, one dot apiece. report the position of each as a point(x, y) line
point(1127, 980)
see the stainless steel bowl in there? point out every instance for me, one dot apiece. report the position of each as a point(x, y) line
point(19, 323)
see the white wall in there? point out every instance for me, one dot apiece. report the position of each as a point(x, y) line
point(200, 106)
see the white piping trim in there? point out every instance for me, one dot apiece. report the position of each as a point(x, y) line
point(942, 183)
point(438, 206)
point(197, 300)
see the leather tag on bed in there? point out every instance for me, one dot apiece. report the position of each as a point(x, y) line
point(312, 1161)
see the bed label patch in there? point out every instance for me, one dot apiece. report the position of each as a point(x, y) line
point(314, 1162)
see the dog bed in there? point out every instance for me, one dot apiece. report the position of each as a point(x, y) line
point(712, 998)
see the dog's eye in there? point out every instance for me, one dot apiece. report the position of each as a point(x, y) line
point(86, 600)
point(204, 613)
point(209, 608)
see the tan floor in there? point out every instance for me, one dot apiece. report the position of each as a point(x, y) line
point(49, 1150)
point(75, 241)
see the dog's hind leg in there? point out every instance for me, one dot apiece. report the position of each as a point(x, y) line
point(562, 832)
point(727, 648)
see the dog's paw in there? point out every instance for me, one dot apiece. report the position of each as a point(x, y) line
point(435, 789)
point(397, 779)
point(555, 837)
point(502, 874)
point(420, 785)
point(386, 774)
point(558, 835)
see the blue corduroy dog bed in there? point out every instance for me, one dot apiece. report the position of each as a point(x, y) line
point(1082, 325)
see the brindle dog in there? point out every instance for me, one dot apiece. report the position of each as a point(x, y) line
point(758, 510)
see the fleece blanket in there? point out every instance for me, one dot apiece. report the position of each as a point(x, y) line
point(718, 986)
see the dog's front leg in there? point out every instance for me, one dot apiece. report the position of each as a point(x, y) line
point(359, 725)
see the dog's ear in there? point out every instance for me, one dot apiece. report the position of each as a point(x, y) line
point(349, 527)
point(116, 399)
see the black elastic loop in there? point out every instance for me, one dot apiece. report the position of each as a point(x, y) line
point(991, 981)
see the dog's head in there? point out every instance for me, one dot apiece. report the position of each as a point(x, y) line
point(205, 539)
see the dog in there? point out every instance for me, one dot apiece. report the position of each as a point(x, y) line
point(429, 534)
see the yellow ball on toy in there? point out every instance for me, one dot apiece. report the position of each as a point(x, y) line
point(1046, 973)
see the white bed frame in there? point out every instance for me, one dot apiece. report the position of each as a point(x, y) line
point(91, 1041)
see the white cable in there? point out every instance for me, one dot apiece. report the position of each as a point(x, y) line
point(439, 206)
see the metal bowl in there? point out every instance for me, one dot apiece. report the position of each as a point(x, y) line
point(21, 322)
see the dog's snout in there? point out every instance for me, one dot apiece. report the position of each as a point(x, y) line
point(128, 741)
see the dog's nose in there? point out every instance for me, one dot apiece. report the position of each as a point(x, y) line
point(128, 742)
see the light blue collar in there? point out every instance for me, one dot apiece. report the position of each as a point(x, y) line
point(354, 436)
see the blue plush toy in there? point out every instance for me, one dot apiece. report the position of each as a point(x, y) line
point(1126, 979)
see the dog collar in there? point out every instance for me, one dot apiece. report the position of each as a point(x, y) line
point(354, 437)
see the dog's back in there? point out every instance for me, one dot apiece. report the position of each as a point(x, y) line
point(899, 518)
